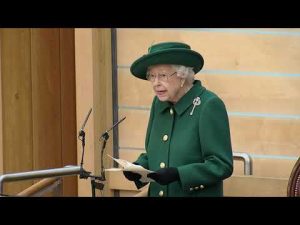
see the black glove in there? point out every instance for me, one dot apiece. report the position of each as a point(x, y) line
point(165, 176)
point(131, 175)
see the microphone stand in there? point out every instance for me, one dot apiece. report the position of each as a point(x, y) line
point(83, 174)
point(81, 136)
point(97, 182)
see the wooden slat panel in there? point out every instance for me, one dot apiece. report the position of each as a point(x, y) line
point(249, 186)
point(223, 51)
point(265, 136)
point(84, 100)
point(128, 193)
point(46, 94)
point(102, 91)
point(135, 193)
point(68, 108)
point(133, 131)
point(16, 99)
point(248, 134)
point(141, 93)
point(93, 89)
point(117, 181)
point(289, 30)
point(277, 95)
point(259, 94)
point(130, 155)
point(265, 167)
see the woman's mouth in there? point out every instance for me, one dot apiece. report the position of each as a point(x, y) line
point(160, 93)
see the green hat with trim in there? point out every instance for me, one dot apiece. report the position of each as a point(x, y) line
point(175, 53)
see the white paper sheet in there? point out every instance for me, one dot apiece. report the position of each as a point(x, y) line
point(128, 166)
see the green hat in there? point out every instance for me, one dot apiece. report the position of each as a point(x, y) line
point(167, 53)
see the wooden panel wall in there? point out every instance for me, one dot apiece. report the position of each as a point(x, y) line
point(94, 90)
point(16, 104)
point(1, 124)
point(84, 99)
point(103, 96)
point(255, 71)
point(68, 107)
point(38, 102)
point(46, 91)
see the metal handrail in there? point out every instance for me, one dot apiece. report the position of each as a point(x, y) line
point(246, 158)
point(58, 172)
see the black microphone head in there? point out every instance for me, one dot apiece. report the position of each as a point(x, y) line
point(81, 133)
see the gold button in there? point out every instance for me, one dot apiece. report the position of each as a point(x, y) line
point(191, 189)
point(171, 111)
point(165, 137)
point(161, 193)
point(196, 188)
point(201, 186)
point(162, 165)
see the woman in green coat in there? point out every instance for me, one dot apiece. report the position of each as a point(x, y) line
point(188, 138)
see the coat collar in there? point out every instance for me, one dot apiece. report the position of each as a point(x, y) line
point(185, 100)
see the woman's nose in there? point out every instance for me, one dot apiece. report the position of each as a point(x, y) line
point(156, 81)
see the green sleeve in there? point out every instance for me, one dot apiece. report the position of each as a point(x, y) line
point(216, 148)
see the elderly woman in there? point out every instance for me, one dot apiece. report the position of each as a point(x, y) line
point(188, 139)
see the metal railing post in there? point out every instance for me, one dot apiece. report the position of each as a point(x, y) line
point(246, 158)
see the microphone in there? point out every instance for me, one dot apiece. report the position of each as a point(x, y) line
point(105, 137)
point(81, 132)
point(105, 134)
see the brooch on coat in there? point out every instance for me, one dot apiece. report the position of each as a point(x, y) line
point(196, 102)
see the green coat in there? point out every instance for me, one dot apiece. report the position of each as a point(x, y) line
point(198, 145)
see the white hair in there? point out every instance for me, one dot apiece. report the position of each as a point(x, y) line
point(185, 72)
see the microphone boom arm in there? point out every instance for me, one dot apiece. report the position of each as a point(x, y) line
point(105, 137)
point(81, 136)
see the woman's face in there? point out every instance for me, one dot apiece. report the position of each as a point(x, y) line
point(165, 83)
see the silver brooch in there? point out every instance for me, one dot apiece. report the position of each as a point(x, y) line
point(196, 102)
